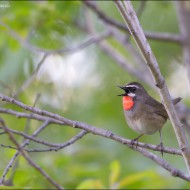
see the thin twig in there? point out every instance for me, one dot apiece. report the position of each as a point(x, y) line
point(129, 16)
point(141, 8)
point(58, 119)
point(26, 142)
point(183, 14)
point(32, 77)
point(14, 167)
point(28, 120)
point(122, 62)
point(58, 146)
point(165, 37)
point(30, 161)
point(70, 50)
point(160, 161)
point(31, 138)
point(91, 129)
point(30, 116)
point(142, 73)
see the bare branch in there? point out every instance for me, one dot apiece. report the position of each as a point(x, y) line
point(17, 153)
point(131, 20)
point(31, 138)
point(183, 12)
point(174, 172)
point(58, 146)
point(70, 50)
point(141, 8)
point(118, 58)
point(33, 164)
point(32, 77)
point(30, 116)
point(165, 37)
point(50, 120)
point(96, 131)
point(9, 181)
point(141, 73)
point(57, 119)
point(160, 161)
point(121, 61)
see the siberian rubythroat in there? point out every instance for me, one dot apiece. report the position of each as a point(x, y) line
point(144, 114)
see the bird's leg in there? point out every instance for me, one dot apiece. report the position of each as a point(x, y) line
point(161, 144)
point(136, 139)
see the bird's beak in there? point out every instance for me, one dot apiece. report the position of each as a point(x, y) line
point(123, 88)
point(122, 94)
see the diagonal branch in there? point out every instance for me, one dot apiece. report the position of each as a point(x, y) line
point(30, 116)
point(32, 77)
point(160, 161)
point(31, 138)
point(123, 62)
point(33, 164)
point(183, 13)
point(9, 181)
point(100, 132)
point(165, 37)
point(129, 16)
point(57, 146)
point(70, 50)
point(63, 121)
point(25, 143)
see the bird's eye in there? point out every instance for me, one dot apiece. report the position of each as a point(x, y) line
point(133, 89)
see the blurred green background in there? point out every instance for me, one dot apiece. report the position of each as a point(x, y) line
point(82, 86)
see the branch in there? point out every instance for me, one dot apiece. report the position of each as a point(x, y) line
point(57, 119)
point(122, 62)
point(119, 58)
point(133, 24)
point(141, 8)
point(174, 172)
point(32, 77)
point(100, 132)
point(142, 72)
point(56, 148)
point(33, 164)
point(31, 138)
point(79, 47)
point(165, 37)
point(183, 12)
point(30, 116)
point(10, 179)
point(25, 143)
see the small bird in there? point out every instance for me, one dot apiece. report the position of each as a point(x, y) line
point(143, 113)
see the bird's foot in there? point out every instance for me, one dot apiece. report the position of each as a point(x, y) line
point(133, 141)
point(161, 148)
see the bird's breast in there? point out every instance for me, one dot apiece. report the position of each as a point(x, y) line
point(143, 122)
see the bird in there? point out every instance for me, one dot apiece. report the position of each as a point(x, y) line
point(143, 114)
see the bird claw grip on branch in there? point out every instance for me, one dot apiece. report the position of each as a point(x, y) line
point(161, 148)
point(135, 140)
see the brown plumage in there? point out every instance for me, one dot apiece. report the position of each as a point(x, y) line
point(143, 113)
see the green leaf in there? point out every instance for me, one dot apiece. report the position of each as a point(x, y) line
point(114, 174)
point(91, 184)
point(134, 178)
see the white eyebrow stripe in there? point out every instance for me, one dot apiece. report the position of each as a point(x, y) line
point(131, 86)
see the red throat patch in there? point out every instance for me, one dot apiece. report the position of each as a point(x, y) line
point(127, 102)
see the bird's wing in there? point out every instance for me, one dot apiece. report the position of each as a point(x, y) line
point(158, 107)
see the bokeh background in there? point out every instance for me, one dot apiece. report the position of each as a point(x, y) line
point(82, 85)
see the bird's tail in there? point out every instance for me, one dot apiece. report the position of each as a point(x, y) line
point(176, 100)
